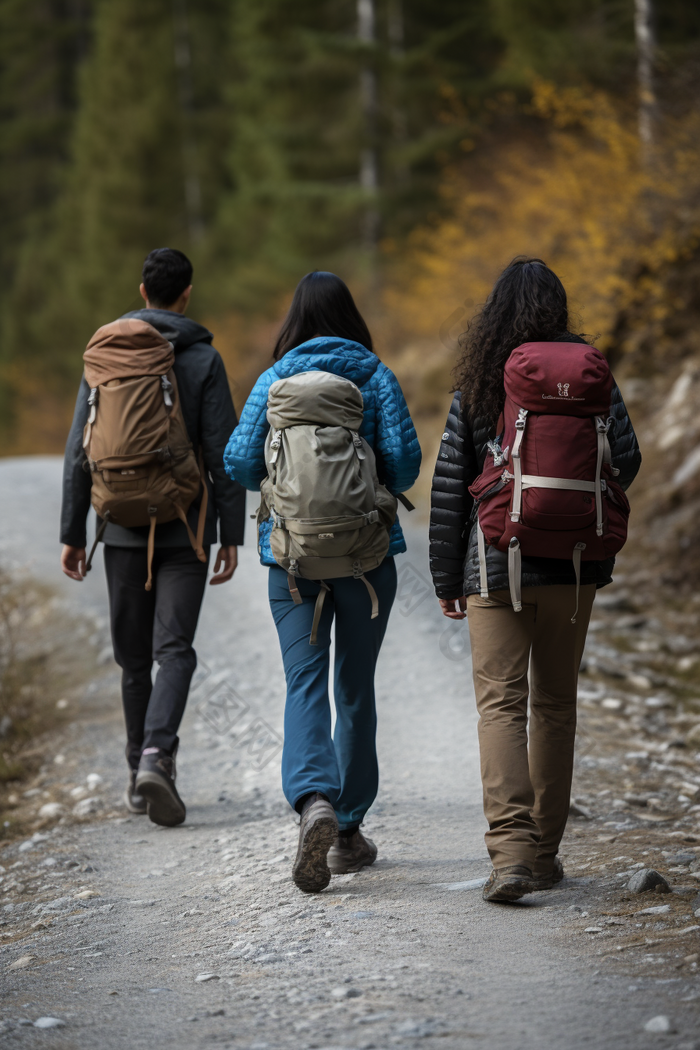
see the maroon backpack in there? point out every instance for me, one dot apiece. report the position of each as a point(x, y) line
point(549, 490)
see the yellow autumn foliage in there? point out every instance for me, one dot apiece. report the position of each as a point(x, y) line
point(579, 197)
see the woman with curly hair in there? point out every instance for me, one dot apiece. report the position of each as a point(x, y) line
point(525, 643)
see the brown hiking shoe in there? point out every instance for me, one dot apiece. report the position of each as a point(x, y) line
point(317, 831)
point(545, 880)
point(509, 884)
point(350, 853)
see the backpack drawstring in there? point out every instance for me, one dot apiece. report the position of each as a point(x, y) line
point(98, 536)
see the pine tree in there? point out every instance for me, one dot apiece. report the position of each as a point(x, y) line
point(41, 45)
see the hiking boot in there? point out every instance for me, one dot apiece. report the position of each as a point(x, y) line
point(509, 884)
point(134, 802)
point(351, 853)
point(545, 880)
point(155, 781)
point(318, 829)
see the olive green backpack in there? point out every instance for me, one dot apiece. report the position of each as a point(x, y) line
point(331, 516)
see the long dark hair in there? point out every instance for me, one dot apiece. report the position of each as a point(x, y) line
point(527, 304)
point(322, 305)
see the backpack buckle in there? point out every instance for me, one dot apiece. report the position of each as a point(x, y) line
point(357, 570)
point(500, 455)
point(357, 442)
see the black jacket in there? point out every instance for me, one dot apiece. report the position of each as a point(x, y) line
point(454, 558)
point(209, 416)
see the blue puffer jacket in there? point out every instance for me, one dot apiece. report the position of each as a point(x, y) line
point(387, 425)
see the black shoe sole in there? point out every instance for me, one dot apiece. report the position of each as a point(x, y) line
point(164, 805)
point(311, 873)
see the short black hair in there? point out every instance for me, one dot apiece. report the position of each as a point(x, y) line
point(166, 273)
point(322, 305)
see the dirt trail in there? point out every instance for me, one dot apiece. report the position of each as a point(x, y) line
point(136, 936)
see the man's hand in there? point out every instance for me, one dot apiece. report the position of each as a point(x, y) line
point(453, 608)
point(73, 562)
point(227, 561)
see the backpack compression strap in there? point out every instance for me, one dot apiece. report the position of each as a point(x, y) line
point(318, 609)
point(515, 574)
point(483, 574)
point(517, 465)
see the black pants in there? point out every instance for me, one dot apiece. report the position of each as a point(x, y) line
point(154, 625)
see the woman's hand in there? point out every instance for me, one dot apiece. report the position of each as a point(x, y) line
point(454, 608)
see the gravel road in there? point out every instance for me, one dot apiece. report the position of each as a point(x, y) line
point(136, 936)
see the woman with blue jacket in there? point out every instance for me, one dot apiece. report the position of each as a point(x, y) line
point(331, 780)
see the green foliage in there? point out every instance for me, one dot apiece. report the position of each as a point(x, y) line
point(41, 45)
point(234, 130)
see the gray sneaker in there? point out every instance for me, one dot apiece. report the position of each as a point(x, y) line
point(509, 884)
point(350, 853)
point(317, 831)
point(545, 880)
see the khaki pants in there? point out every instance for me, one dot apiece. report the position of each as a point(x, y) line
point(527, 786)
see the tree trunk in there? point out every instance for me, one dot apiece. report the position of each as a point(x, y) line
point(190, 160)
point(369, 164)
point(399, 119)
point(646, 51)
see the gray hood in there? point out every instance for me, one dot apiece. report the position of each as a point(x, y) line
point(181, 331)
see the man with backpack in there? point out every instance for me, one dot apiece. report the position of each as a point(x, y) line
point(152, 419)
point(528, 513)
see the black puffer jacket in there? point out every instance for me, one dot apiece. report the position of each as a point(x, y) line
point(454, 558)
point(209, 416)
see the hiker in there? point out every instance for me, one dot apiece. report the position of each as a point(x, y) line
point(528, 511)
point(327, 438)
point(153, 415)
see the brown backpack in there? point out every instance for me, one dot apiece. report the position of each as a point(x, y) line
point(143, 468)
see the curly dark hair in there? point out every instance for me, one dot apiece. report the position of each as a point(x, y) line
point(527, 304)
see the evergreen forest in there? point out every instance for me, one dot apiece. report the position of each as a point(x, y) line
point(412, 147)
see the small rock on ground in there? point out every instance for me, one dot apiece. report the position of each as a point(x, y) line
point(660, 1024)
point(648, 879)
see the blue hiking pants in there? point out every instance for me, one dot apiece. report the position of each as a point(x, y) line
point(342, 766)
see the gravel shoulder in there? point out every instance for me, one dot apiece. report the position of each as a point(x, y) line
point(132, 935)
